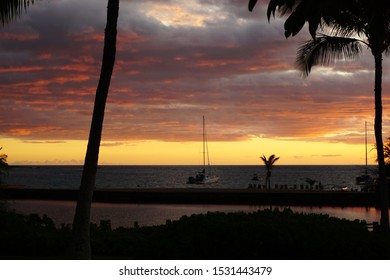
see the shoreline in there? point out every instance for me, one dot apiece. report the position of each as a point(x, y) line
point(200, 196)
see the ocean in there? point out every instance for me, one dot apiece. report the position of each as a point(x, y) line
point(239, 176)
point(176, 177)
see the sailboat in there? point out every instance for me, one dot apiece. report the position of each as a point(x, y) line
point(364, 179)
point(202, 177)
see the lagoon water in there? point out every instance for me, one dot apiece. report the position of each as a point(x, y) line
point(126, 215)
point(175, 176)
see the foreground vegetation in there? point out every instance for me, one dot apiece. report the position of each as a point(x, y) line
point(260, 235)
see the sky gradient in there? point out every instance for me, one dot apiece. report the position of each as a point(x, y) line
point(176, 61)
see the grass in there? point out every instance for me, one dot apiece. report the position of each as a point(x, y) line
point(259, 235)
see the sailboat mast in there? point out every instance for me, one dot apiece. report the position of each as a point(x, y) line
point(366, 145)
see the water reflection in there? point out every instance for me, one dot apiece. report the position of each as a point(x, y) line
point(155, 214)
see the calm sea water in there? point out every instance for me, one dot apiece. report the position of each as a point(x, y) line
point(175, 176)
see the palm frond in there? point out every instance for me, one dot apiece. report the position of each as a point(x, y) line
point(387, 51)
point(269, 162)
point(299, 12)
point(252, 4)
point(282, 6)
point(325, 50)
point(12, 9)
point(347, 24)
point(294, 23)
point(273, 159)
point(342, 17)
point(264, 159)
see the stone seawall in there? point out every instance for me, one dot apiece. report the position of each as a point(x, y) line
point(200, 196)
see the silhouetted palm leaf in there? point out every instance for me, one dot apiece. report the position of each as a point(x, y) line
point(269, 162)
point(282, 6)
point(315, 13)
point(251, 4)
point(325, 50)
point(300, 12)
point(11, 9)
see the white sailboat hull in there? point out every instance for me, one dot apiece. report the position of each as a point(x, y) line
point(210, 180)
point(202, 179)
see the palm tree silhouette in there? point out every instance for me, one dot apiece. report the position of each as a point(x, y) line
point(80, 247)
point(350, 24)
point(269, 163)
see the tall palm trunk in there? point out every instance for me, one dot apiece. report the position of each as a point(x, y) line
point(80, 243)
point(383, 188)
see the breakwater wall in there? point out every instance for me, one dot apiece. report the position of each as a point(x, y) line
point(201, 196)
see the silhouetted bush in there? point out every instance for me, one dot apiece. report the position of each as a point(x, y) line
point(260, 235)
point(31, 237)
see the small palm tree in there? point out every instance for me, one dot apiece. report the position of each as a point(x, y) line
point(269, 163)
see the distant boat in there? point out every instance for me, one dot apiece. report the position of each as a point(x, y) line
point(255, 177)
point(202, 177)
point(364, 179)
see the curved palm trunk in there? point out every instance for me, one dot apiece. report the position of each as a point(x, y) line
point(80, 244)
point(383, 188)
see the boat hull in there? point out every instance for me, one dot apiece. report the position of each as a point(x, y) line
point(211, 180)
point(203, 180)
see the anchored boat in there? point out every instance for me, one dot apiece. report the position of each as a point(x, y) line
point(203, 177)
point(365, 179)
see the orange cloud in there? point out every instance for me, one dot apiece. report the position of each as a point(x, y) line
point(19, 37)
point(20, 69)
point(19, 132)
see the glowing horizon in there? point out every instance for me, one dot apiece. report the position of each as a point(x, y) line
point(187, 153)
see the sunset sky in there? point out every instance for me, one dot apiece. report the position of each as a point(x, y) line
point(177, 61)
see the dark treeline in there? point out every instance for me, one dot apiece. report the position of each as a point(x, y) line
point(260, 235)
